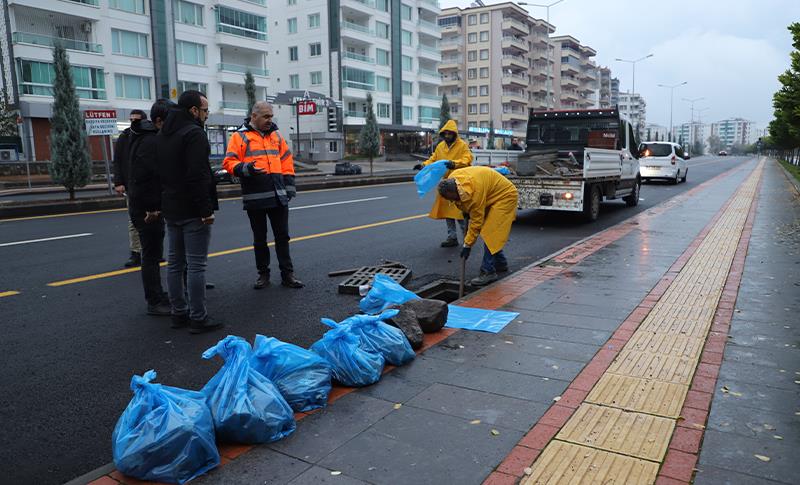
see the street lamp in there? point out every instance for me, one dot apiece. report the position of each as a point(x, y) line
point(671, 93)
point(549, 82)
point(691, 118)
point(633, 64)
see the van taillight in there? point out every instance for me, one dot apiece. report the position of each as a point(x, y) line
point(673, 159)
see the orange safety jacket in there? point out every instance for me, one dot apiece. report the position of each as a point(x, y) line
point(268, 152)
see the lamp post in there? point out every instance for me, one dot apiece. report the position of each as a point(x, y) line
point(633, 65)
point(691, 119)
point(671, 94)
point(549, 82)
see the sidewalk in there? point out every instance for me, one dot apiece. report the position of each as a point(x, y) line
point(607, 375)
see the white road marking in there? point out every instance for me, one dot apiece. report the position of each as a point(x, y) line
point(327, 204)
point(70, 236)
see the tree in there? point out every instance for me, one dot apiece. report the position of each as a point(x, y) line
point(8, 116)
point(491, 135)
point(69, 165)
point(648, 133)
point(369, 138)
point(784, 130)
point(714, 144)
point(250, 89)
point(697, 148)
point(444, 112)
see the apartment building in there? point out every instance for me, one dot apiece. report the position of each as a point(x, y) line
point(655, 132)
point(689, 133)
point(614, 91)
point(127, 53)
point(634, 107)
point(496, 65)
point(607, 89)
point(733, 131)
point(575, 74)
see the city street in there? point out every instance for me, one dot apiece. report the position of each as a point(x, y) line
point(76, 331)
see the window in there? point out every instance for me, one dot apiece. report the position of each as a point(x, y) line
point(128, 43)
point(316, 78)
point(472, 109)
point(291, 2)
point(384, 110)
point(408, 63)
point(294, 81)
point(382, 57)
point(358, 79)
point(313, 21)
point(408, 88)
point(472, 124)
point(472, 91)
point(187, 13)
point(454, 109)
point(382, 5)
point(382, 30)
point(293, 53)
point(484, 108)
point(484, 54)
point(383, 84)
point(190, 53)
point(484, 72)
point(315, 49)
point(189, 85)
point(472, 38)
point(133, 6)
point(36, 78)
point(408, 113)
point(484, 124)
point(132, 87)
point(407, 38)
point(333, 147)
point(484, 90)
point(242, 24)
point(472, 56)
point(405, 11)
point(291, 25)
point(484, 18)
point(485, 36)
point(472, 20)
point(472, 73)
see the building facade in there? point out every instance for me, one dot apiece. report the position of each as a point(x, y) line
point(608, 88)
point(654, 132)
point(496, 65)
point(575, 74)
point(733, 131)
point(634, 107)
point(689, 133)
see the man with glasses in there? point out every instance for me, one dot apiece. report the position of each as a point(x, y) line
point(188, 202)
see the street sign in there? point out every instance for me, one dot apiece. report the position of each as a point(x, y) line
point(306, 108)
point(101, 122)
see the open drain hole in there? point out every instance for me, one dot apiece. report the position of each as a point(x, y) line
point(444, 290)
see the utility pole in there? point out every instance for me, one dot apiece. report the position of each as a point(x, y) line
point(633, 65)
point(549, 82)
point(671, 94)
point(691, 120)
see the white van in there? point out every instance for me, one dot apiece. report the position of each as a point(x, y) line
point(663, 160)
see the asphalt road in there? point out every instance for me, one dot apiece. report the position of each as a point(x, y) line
point(69, 351)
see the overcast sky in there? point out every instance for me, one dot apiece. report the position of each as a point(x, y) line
point(729, 51)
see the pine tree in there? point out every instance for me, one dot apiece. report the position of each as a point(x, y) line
point(8, 116)
point(648, 133)
point(369, 138)
point(784, 130)
point(250, 89)
point(70, 165)
point(491, 135)
point(444, 112)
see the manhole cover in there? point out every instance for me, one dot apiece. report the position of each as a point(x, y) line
point(365, 274)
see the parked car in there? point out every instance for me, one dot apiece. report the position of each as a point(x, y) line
point(662, 160)
point(221, 176)
point(722, 153)
point(347, 168)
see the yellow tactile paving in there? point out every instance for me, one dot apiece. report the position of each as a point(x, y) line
point(610, 429)
point(643, 395)
point(621, 431)
point(567, 463)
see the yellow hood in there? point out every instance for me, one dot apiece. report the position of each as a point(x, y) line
point(450, 126)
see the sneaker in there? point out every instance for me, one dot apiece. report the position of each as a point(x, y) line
point(484, 279)
point(449, 243)
point(204, 325)
point(180, 321)
point(288, 280)
point(134, 261)
point(262, 281)
point(501, 269)
point(160, 309)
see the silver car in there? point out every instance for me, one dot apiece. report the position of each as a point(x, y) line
point(663, 160)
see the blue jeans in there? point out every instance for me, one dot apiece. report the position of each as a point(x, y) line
point(491, 261)
point(188, 253)
point(451, 227)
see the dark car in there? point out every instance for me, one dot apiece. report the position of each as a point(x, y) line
point(347, 168)
point(722, 153)
point(220, 174)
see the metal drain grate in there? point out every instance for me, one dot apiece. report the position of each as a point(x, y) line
point(365, 274)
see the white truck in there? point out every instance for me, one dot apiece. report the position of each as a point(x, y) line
point(575, 159)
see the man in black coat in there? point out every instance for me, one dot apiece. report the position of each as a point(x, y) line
point(121, 171)
point(188, 202)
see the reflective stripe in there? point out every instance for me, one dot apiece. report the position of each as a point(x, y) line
point(256, 153)
point(286, 155)
point(260, 195)
point(232, 154)
point(246, 145)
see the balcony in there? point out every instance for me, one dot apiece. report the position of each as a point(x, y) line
point(515, 115)
point(426, 120)
point(355, 114)
point(515, 79)
point(427, 27)
point(510, 60)
point(45, 41)
point(451, 45)
point(452, 62)
point(431, 5)
point(539, 55)
point(570, 96)
point(237, 105)
point(429, 52)
point(514, 96)
point(430, 96)
point(358, 85)
point(570, 67)
point(359, 4)
point(540, 40)
point(356, 31)
point(448, 81)
point(86, 10)
point(227, 67)
point(512, 24)
point(510, 41)
point(570, 81)
point(358, 57)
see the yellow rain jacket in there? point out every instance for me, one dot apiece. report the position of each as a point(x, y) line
point(459, 154)
point(490, 199)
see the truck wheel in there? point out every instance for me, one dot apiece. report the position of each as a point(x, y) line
point(591, 204)
point(633, 199)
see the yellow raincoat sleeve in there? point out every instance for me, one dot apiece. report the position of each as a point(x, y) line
point(460, 154)
point(441, 147)
point(473, 202)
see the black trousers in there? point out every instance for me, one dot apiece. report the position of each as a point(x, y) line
point(151, 236)
point(279, 220)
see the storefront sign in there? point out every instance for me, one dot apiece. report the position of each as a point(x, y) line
point(101, 122)
point(306, 108)
point(497, 131)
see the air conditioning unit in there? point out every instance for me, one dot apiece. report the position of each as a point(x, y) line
point(8, 155)
point(86, 27)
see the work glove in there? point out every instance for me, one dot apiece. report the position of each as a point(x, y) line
point(418, 166)
point(465, 252)
point(250, 170)
point(451, 165)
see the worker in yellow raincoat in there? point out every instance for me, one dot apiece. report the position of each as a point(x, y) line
point(490, 201)
point(456, 151)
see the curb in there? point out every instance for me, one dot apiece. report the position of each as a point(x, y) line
point(792, 180)
point(53, 207)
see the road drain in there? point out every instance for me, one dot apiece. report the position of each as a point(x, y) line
point(445, 290)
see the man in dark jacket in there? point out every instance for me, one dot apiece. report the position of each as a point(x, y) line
point(121, 170)
point(515, 146)
point(144, 203)
point(188, 202)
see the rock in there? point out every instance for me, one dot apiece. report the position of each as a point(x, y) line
point(431, 314)
point(406, 321)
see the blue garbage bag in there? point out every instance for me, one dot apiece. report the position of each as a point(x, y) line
point(384, 293)
point(380, 337)
point(351, 363)
point(503, 170)
point(166, 434)
point(303, 377)
point(246, 406)
point(429, 177)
